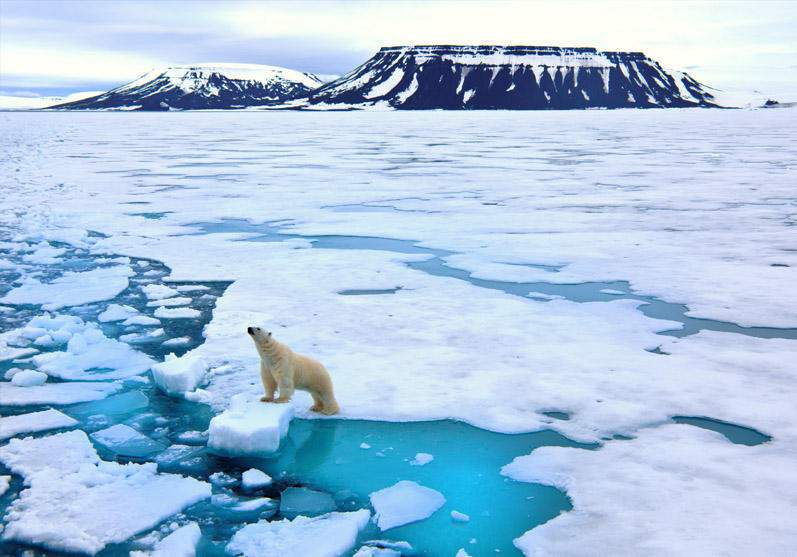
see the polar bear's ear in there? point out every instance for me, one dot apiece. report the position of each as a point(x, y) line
point(269, 334)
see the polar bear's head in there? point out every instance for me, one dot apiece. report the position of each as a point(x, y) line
point(258, 334)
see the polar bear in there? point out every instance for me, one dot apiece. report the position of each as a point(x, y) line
point(283, 368)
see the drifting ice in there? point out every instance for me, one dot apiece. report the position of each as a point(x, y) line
point(253, 428)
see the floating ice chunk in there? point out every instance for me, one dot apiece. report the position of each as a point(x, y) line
point(158, 291)
point(177, 313)
point(71, 289)
point(176, 376)
point(199, 395)
point(403, 503)
point(45, 341)
point(175, 453)
point(462, 553)
point(193, 437)
point(143, 320)
point(254, 479)
point(370, 551)
point(11, 372)
point(254, 428)
point(123, 440)
point(178, 301)
point(330, 535)
point(180, 543)
point(55, 393)
point(457, 516)
point(45, 254)
point(300, 500)
point(612, 292)
point(222, 479)
point(35, 421)
point(78, 503)
point(192, 287)
point(91, 355)
point(29, 378)
point(4, 483)
point(143, 338)
point(13, 353)
point(241, 505)
point(365, 446)
point(179, 341)
point(421, 459)
point(116, 312)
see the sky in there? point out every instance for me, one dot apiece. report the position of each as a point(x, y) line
point(60, 47)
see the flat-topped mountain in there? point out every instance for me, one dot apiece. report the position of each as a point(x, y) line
point(511, 77)
point(204, 86)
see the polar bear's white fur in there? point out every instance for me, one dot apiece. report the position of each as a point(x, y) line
point(282, 368)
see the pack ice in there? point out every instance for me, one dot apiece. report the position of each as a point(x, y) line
point(75, 502)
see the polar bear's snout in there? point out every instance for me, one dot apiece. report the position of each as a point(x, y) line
point(251, 330)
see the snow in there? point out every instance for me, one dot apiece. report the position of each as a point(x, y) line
point(254, 479)
point(421, 459)
point(403, 503)
point(176, 301)
point(4, 484)
point(11, 426)
point(55, 393)
point(72, 288)
point(177, 376)
point(329, 535)
point(76, 502)
point(29, 378)
point(249, 428)
point(176, 313)
point(11, 102)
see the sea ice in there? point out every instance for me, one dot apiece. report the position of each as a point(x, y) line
point(403, 503)
point(457, 516)
point(328, 535)
point(71, 289)
point(123, 440)
point(35, 421)
point(300, 500)
point(421, 459)
point(158, 291)
point(79, 503)
point(254, 479)
point(4, 484)
point(142, 320)
point(177, 376)
point(370, 551)
point(55, 393)
point(116, 312)
point(167, 302)
point(177, 313)
point(143, 338)
point(180, 543)
point(29, 378)
point(254, 428)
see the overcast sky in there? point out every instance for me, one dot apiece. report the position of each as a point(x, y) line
point(57, 47)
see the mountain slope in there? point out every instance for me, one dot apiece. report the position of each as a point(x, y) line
point(511, 77)
point(203, 86)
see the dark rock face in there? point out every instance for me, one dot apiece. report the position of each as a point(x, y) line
point(204, 86)
point(512, 77)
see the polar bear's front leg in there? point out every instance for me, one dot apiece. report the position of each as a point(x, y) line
point(286, 390)
point(268, 383)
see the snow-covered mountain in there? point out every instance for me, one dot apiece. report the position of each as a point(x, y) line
point(511, 77)
point(204, 86)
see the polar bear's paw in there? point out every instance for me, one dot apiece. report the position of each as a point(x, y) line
point(267, 398)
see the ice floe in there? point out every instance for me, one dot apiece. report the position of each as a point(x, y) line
point(33, 422)
point(254, 479)
point(55, 393)
point(29, 378)
point(177, 313)
point(307, 502)
point(117, 312)
point(125, 441)
point(404, 502)
point(76, 502)
point(249, 428)
point(180, 543)
point(72, 288)
point(421, 459)
point(177, 376)
point(328, 535)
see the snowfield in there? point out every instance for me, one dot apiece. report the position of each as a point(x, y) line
point(489, 267)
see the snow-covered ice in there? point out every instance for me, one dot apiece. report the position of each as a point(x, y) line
point(29, 378)
point(249, 428)
point(4, 484)
point(116, 312)
point(177, 376)
point(177, 313)
point(55, 393)
point(404, 502)
point(421, 459)
point(254, 479)
point(79, 503)
point(32, 422)
point(328, 535)
point(180, 543)
point(158, 291)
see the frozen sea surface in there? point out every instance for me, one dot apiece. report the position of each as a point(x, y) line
point(598, 274)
